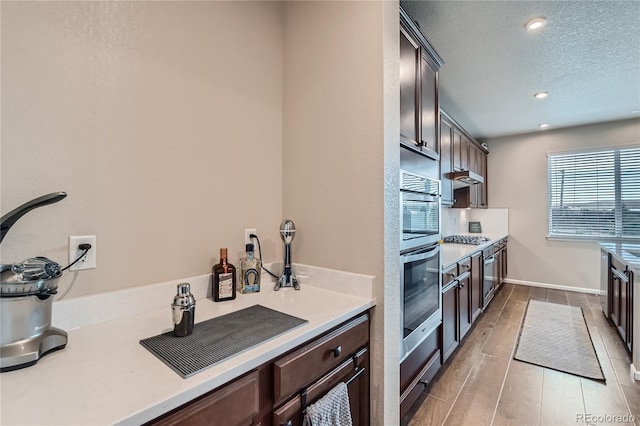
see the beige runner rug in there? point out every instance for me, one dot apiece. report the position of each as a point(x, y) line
point(556, 336)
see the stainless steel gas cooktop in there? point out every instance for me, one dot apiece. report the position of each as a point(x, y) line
point(466, 239)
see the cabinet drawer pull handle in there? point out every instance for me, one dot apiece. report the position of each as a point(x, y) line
point(337, 351)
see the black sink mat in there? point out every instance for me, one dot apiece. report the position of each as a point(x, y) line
point(219, 338)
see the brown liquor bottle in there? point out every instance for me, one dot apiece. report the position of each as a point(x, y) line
point(224, 279)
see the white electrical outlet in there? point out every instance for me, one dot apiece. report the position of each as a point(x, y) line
point(247, 232)
point(88, 261)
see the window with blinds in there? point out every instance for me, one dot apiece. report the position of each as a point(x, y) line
point(595, 194)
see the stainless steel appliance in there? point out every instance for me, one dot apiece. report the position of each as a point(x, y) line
point(26, 296)
point(420, 294)
point(288, 279)
point(490, 274)
point(465, 178)
point(466, 239)
point(420, 210)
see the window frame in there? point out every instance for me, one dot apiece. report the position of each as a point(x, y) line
point(617, 196)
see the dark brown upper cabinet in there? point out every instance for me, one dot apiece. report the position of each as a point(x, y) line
point(459, 152)
point(419, 112)
point(446, 186)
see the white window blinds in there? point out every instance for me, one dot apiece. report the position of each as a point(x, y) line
point(595, 194)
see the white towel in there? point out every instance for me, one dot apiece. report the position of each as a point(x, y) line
point(330, 410)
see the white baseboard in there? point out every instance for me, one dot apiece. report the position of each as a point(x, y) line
point(553, 286)
point(635, 373)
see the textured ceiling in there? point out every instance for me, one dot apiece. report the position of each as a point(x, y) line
point(587, 57)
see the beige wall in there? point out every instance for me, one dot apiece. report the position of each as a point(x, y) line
point(518, 181)
point(161, 120)
point(340, 154)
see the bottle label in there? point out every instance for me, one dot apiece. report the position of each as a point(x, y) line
point(225, 286)
point(251, 280)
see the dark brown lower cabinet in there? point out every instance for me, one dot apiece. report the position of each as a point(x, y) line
point(418, 369)
point(458, 295)
point(450, 320)
point(277, 392)
point(235, 404)
point(476, 285)
point(464, 298)
point(621, 300)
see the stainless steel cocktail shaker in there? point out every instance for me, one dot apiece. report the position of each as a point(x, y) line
point(183, 310)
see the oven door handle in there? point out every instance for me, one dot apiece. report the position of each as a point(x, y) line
point(420, 254)
point(417, 196)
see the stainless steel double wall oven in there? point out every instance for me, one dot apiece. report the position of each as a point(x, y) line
point(420, 258)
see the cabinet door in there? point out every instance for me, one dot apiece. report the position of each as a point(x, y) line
point(498, 269)
point(409, 61)
point(503, 264)
point(457, 150)
point(428, 107)
point(473, 157)
point(630, 296)
point(450, 318)
point(446, 185)
point(476, 285)
point(474, 195)
point(615, 299)
point(482, 188)
point(464, 153)
point(623, 323)
point(464, 303)
point(234, 405)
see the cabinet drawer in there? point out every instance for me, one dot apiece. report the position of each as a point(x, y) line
point(449, 274)
point(298, 369)
point(464, 265)
point(410, 368)
point(235, 404)
point(291, 411)
point(427, 374)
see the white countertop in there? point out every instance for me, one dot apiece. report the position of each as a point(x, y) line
point(452, 253)
point(628, 253)
point(104, 375)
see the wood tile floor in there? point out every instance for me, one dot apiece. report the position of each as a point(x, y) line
point(481, 384)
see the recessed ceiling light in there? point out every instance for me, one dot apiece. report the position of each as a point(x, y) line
point(635, 111)
point(543, 125)
point(540, 95)
point(536, 23)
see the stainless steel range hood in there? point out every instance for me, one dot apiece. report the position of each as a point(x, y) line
point(465, 178)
